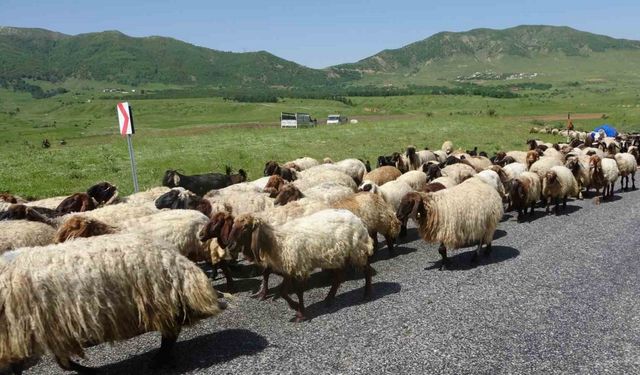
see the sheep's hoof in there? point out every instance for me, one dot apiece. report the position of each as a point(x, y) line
point(299, 318)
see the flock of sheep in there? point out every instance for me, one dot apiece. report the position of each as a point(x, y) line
point(94, 267)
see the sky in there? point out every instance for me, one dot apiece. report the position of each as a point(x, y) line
point(315, 33)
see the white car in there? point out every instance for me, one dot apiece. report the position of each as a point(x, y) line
point(336, 119)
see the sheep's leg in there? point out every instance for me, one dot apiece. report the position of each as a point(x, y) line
point(443, 253)
point(564, 202)
point(368, 273)
point(69, 365)
point(390, 240)
point(374, 237)
point(300, 292)
point(403, 230)
point(474, 256)
point(284, 293)
point(633, 181)
point(227, 275)
point(17, 368)
point(548, 202)
point(520, 213)
point(264, 286)
point(164, 355)
point(488, 249)
point(338, 276)
point(533, 205)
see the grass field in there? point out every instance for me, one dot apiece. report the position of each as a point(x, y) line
point(201, 135)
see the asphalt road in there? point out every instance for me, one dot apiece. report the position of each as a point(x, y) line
point(558, 295)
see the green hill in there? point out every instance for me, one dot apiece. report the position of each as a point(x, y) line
point(550, 51)
point(114, 57)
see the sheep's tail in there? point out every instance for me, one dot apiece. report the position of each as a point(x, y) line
point(199, 299)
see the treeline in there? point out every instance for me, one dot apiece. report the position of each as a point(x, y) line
point(340, 93)
point(36, 91)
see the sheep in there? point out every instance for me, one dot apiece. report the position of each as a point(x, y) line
point(147, 196)
point(215, 237)
point(579, 166)
point(493, 179)
point(459, 172)
point(317, 175)
point(50, 203)
point(327, 160)
point(114, 214)
point(273, 186)
point(433, 187)
point(514, 170)
point(329, 239)
point(101, 193)
point(177, 227)
point(382, 175)
point(416, 179)
point(416, 159)
point(237, 202)
point(532, 157)
point(478, 163)
point(375, 213)
point(202, 183)
point(558, 183)
point(179, 198)
point(23, 212)
point(62, 298)
point(445, 181)
point(351, 167)
point(301, 164)
point(455, 217)
point(273, 168)
point(392, 193)
point(10, 198)
point(261, 182)
point(21, 233)
point(518, 156)
point(604, 173)
point(543, 165)
point(627, 165)
point(524, 192)
point(326, 192)
point(447, 147)
point(441, 156)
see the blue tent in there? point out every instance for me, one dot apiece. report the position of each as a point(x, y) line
point(609, 130)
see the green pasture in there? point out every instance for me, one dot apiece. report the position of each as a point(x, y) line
point(202, 135)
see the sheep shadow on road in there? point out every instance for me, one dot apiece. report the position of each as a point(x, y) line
point(351, 298)
point(197, 353)
point(462, 261)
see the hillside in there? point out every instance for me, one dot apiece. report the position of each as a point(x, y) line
point(546, 50)
point(114, 57)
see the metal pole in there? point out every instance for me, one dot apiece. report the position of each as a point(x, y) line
point(133, 164)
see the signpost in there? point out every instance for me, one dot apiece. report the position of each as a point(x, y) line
point(125, 118)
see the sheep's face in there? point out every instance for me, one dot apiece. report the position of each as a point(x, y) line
point(551, 178)
point(288, 193)
point(271, 167)
point(168, 200)
point(6, 197)
point(171, 178)
point(432, 171)
point(595, 163)
point(532, 157)
point(243, 233)
point(273, 185)
point(218, 227)
point(368, 186)
point(412, 206)
point(102, 192)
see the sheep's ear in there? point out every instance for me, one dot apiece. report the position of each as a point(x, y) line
point(176, 179)
point(416, 206)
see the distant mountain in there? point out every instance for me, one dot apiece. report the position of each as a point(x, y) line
point(522, 52)
point(113, 56)
point(515, 49)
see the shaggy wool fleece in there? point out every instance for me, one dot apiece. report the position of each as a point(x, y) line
point(60, 298)
point(20, 233)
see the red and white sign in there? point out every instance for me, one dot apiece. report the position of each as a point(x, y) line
point(125, 118)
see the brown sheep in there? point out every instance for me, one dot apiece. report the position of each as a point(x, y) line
point(78, 226)
point(218, 229)
point(382, 175)
point(273, 185)
point(273, 168)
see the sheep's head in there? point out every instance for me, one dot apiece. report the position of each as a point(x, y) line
point(218, 227)
point(177, 198)
point(573, 164)
point(287, 193)
point(551, 177)
point(595, 163)
point(245, 232)
point(532, 157)
point(79, 226)
point(273, 185)
point(22, 212)
point(103, 192)
point(411, 206)
point(171, 178)
point(327, 160)
point(9, 198)
point(239, 177)
point(271, 167)
point(432, 171)
point(532, 144)
point(411, 151)
point(368, 186)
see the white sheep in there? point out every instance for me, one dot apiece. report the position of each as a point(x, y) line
point(351, 167)
point(447, 147)
point(328, 192)
point(318, 175)
point(179, 228)
point(459, 172)
point(456, 217)
point(23, 233)
point(518, 156)
point(329, 239)
point(392, 192)
point(492, 179)
point(301, 164)
point(604, 174)
point(416, 179)
point(447, 182)
point(543, 165)
point(383, 174)
point(627, 165)
point(62, 298)
point(147, 196)
point(559, 183)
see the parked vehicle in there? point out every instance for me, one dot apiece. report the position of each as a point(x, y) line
point(295, 120)
point(336, 120)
